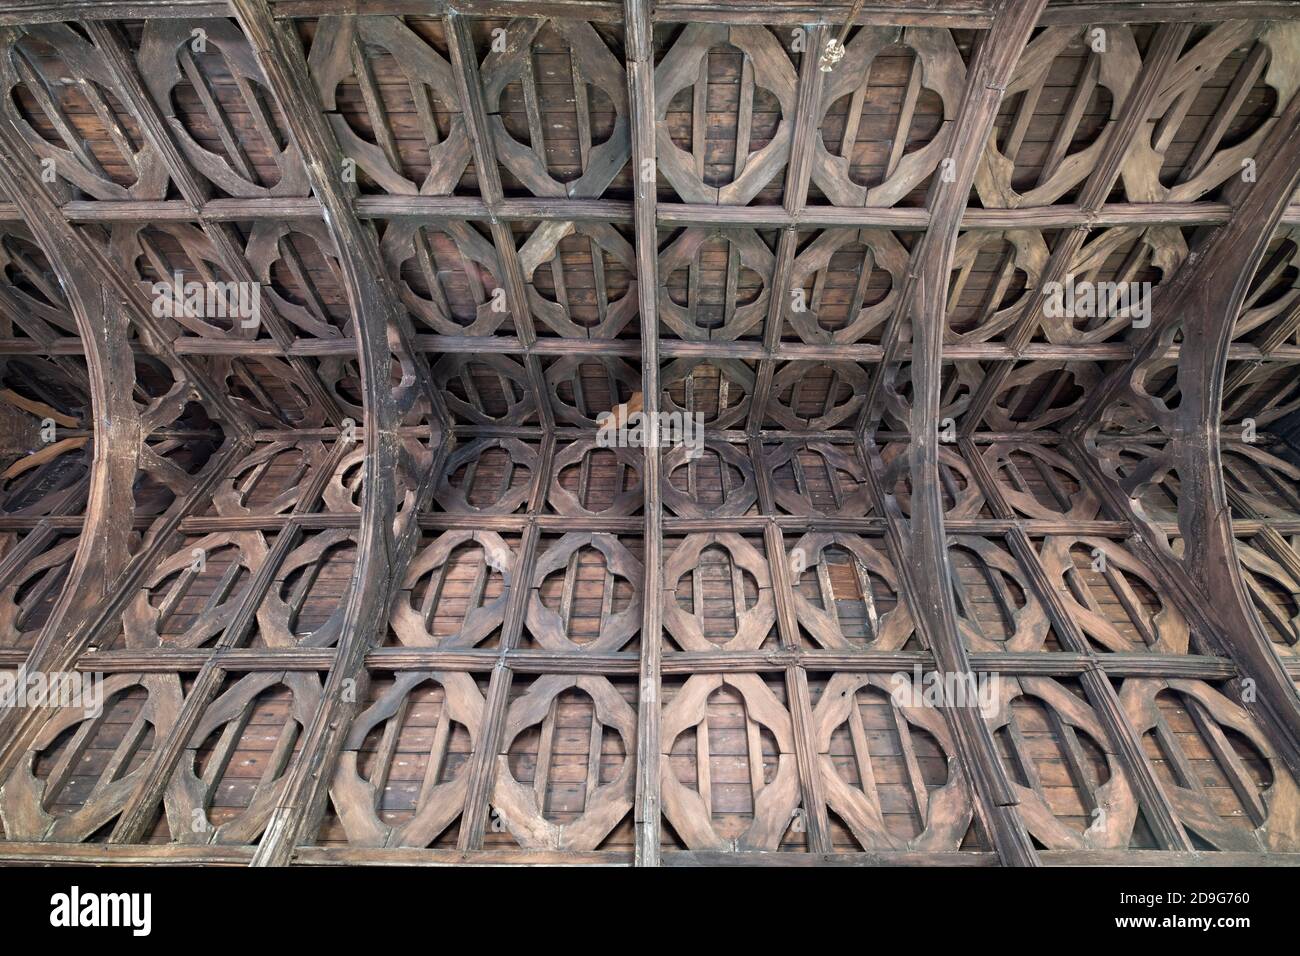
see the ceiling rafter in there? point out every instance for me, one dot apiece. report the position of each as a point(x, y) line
point(989, 74)
point(386, 539)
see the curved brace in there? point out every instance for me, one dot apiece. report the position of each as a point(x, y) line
point(1204, 298)
point(377, 312)
point(990, 73)
point(1211, 305)
point(102, 551)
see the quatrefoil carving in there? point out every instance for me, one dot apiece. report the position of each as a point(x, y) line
point(679, 68)
point(604, 804)
point(846, 493)
point(28, 804)
point(86, 71)
point(1180, 86)
point(1076, 728)
point(1116, 70)
point(1159, 247)
point(166, 59)
point(942, 70)
point(338, 52)
point(582, 455)
point(734, 494)
point(226, 722)
point(883, 251)
point(543, 246)
point(594, 64)
point(547, 625)
point(845, 394)
point(729, 383)
point(685, 571)
point(683, 252)
point(774, 802)
point(1162, 631)
point(1270, 808)
point(144, 622)
point(944, 816)
point(809, 557)
point(471, 258)
point(485, 389)
point(1023, 251)
point(509, 497)
point(357, 796)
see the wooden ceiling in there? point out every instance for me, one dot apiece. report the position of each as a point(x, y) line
point(362, 583)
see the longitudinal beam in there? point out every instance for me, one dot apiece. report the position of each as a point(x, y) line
point(641, 100)
point(434, 209)
point(931, 572)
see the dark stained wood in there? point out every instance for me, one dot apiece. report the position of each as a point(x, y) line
point(434, 620)
point(989, 75)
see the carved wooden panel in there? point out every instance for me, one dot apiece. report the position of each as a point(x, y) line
point(690, 305)
point(718, 593)
point(83, 766)
point(402, 775)
point(888, 766)
point(592, 480)
point(686, 65)
point(716, 803)
point(1221, 774)
point(1114, 597)
point(62, 97)
point(848, 594)
point(565, 772)
point(718, 389)
point(719, 480)
point(585, 595)
point(1074, 792)
point(353, 54)
point(818, 478)
point(182, 59)
point(997, 609)
point(488, 476)
point(455, 590)
point(936, 71)
point(214, 799)
point(1016, 173)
